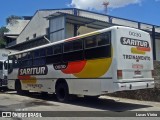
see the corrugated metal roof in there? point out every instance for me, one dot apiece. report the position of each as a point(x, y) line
point(16, 27)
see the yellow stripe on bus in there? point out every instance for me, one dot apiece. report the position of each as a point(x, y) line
point(89, 34)
point(136, 51)
point(95, 68)
point(32, 80)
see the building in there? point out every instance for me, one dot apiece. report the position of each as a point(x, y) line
point(15, 27)
point(58, 24)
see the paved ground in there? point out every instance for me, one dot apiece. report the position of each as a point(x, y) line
point(10, 101)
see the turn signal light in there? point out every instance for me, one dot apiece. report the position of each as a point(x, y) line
point(119, 74)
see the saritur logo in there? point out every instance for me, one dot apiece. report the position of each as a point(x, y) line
point(140, 46)
point(43, 70)
point(134, 42)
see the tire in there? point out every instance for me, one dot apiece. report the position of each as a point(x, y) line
point(0, 82)
point(62, 92)
point(18, 87)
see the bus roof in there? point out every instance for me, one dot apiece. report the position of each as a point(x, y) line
point(72, 38)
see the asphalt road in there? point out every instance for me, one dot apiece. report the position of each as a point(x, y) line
point(10, 101)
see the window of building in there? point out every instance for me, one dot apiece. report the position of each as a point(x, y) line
point(47, 31)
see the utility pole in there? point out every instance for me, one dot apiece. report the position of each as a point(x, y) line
point(105, 4)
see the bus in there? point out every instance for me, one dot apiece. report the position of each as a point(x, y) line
point(93, 64)
point(3, 68)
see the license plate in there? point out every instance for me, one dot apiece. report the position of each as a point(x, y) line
point(137, 72)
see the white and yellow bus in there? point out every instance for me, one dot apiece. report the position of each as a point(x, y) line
point(101, 62)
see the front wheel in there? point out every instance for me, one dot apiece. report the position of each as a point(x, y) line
point(18, 88)
point(62, 92)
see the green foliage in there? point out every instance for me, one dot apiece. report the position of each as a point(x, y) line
point(2, 40)
point(9, 20)
point(12, 19)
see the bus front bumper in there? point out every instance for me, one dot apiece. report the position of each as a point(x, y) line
point(3, 82)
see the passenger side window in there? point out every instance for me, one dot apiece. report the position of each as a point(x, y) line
point(90, 42)
point(25, 60)
point(73, 46)
point(49, 51)
point(77, 45)
point(39, 57)
point(36, 53)
point(98, 46)
point(54, 54)
point(73, 51)
point(57, 49)
point(103, 39)
point(42, 52)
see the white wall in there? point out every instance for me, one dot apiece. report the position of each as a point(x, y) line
point(57, 29)
point(124, 22)
point(38, 25)
point(93, 16)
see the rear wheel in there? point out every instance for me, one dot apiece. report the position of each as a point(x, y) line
point(62, 92)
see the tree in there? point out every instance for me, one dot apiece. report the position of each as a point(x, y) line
point(2, 40)
point(9, 20)
point(12, 19)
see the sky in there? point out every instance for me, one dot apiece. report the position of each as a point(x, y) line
point(146, 11)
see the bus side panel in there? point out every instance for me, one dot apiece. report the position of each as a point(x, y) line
point(107, 85)
point(90, 87)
